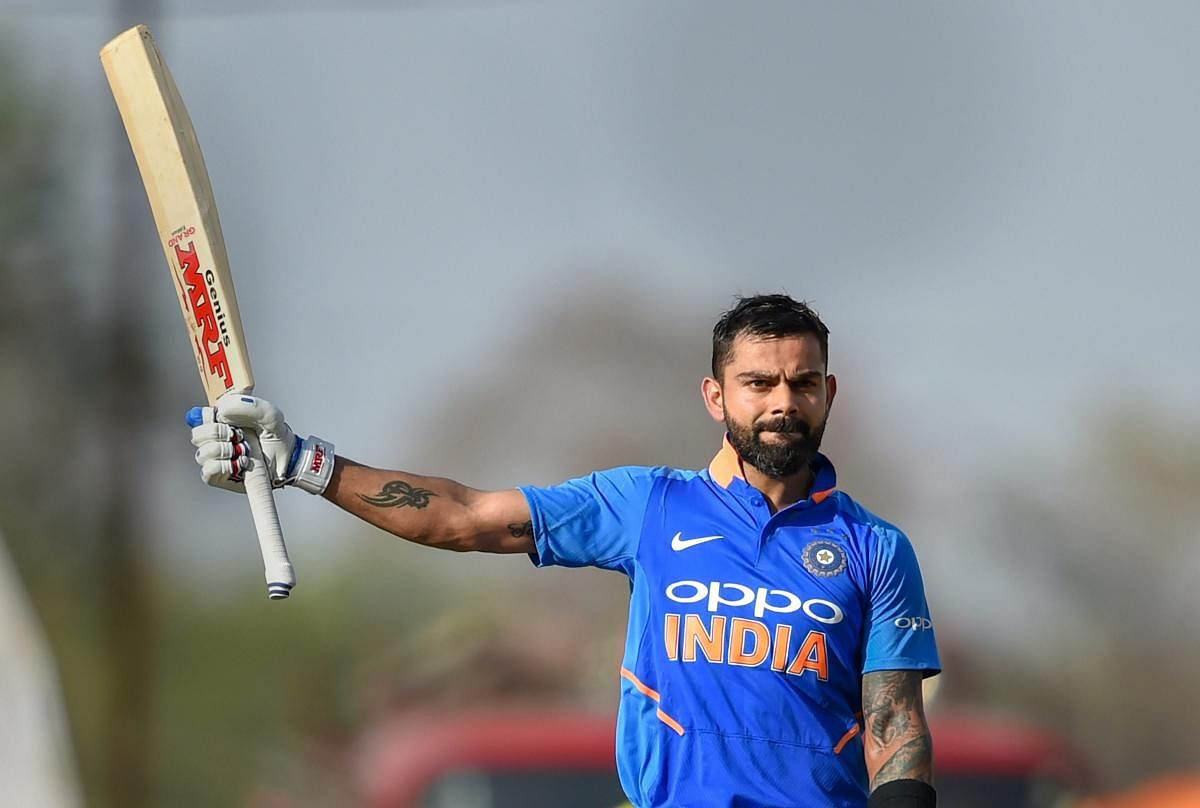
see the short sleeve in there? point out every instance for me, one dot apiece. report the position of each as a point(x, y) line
point(900, 630)
point(590, 521)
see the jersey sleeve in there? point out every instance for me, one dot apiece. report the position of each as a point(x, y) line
point(590, 521)
point(899, 631)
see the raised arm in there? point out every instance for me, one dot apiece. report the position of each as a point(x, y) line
point(896, 740)
point(427, 510)
point(433, 510)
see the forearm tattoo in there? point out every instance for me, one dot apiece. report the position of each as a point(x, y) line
point(910, 762)
point(896, 732)
point(519, 529)
point(399, 494)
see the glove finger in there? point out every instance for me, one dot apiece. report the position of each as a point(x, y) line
point(249, 411)
point(216, 433)
point(221, 450)
point(200, 415)
point(214, 473)
point(217, 470)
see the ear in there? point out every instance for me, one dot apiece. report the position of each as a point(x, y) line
point(714, 400)
point(830, 392)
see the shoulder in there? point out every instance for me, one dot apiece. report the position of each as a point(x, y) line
point(639, 476)
point(625, 483)
point(870, 528)
point(649, 472)
point(887, 553)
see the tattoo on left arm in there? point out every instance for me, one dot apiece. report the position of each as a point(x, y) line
point(897, 740)
point(519, 529)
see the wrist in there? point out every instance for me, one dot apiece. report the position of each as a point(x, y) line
point(311, 465)
point(903, 794)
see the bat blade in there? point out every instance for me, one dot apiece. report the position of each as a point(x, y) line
point(172, 167)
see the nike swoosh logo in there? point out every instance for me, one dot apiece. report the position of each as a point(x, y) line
point(680, 543)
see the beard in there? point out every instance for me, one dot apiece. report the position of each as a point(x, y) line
point(779, 459)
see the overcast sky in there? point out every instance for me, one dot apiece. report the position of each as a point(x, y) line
point(993, 205)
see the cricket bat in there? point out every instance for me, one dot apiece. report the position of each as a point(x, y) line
point(185, 213)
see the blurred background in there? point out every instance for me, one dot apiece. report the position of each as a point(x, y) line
point(488, 240)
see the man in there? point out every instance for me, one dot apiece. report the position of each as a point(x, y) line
point(778, 632)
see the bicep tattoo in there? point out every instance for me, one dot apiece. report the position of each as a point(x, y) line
point(897, 737)
point(519, 529)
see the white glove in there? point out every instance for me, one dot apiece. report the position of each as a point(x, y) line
point(224, 456)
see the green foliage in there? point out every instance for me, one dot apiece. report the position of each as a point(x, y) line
point(71, 538)
point(245, 688)
point(45, 510)
point(26, 173)
point(1108, 546)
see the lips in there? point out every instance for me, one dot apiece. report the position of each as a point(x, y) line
point(788, 428)
point(776, 438)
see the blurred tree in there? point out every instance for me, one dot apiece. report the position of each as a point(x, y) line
point(45, 350)
point(45, 504)
point(607, 374)
point(67, 518)
point(1106, 547)
point(251, 699)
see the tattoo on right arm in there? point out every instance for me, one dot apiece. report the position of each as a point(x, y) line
point(399, 494)
point(519, 529)
point(911, 761)
point(898, 744)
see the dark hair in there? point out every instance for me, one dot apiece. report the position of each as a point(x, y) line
point(768, 317)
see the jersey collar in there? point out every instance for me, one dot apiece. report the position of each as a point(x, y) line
point(726, 467)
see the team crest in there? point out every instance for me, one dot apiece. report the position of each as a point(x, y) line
point(824, 558)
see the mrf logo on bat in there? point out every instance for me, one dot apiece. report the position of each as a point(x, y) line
point(205, 303)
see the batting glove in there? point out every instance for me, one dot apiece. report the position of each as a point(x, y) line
point(224, 456)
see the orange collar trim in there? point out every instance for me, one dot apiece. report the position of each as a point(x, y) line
point(726, 466)
point(820, 496)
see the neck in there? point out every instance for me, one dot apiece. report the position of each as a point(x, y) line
point(781, 492)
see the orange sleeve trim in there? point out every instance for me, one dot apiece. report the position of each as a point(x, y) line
point(651, 693)
point(670, 722)
point(636, 682)
point(847, 738)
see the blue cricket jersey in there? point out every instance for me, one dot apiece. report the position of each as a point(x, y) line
point(749, 632)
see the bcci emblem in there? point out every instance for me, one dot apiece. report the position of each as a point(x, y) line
point(824, 559)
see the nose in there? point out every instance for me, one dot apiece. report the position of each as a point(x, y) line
point(784, 401)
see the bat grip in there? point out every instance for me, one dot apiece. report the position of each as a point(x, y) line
point(279, 573)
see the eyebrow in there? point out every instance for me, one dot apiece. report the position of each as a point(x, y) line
point(752, 375)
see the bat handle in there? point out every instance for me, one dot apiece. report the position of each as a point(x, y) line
point(279, 573)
